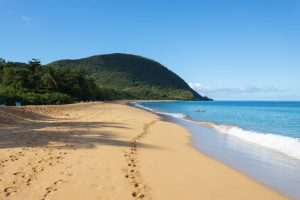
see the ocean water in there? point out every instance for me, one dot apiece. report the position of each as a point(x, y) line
point(260, 139)
point(274, 125)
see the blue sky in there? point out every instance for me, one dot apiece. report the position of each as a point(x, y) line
point(233, 49)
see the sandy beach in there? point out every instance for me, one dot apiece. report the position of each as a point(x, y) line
point(109, 151)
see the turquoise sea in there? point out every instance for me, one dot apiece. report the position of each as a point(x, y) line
point(271, 124)
point(259, 138)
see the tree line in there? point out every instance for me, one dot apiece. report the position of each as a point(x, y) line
point(117, 77)
point(33, 83)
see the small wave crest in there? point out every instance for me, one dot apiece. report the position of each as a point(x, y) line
point(283, 144)
point(287, 145)
point(176, 115)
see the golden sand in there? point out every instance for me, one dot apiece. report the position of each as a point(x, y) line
point(109, 151)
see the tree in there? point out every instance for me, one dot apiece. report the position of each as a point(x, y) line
point(2, 61)
point(34, 65)
point(15, 77)
point(48, 79)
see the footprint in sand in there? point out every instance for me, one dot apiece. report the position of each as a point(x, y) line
point(28, 181)
point(51, 189)
point(58, 182)
point(9, 190)
point(16, 173)
point(138, 188)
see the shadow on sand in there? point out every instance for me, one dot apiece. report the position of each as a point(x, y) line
point(24, 131)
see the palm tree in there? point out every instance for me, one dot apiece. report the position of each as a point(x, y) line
point(48, 79)
point(33, 66)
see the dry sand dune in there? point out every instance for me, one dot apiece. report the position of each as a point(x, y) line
point(108, 151)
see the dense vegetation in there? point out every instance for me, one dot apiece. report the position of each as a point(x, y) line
point(33, 83)
point(135, 76)
point(106, 77)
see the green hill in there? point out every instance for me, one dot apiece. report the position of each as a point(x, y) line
point(134, 77)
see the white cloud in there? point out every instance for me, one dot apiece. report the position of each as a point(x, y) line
point(200, 87)
point(26, 19)
point(241, 90)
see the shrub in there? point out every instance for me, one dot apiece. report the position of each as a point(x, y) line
point(11, 95)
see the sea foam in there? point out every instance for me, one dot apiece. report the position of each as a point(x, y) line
point(284, 144)
point(176, 115)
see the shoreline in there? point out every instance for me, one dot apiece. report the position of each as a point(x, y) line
point(119, 143)
point(273, 169)
point(174, 120)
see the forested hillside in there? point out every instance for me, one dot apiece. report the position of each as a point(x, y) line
point(104, 77)
point(139, 77)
